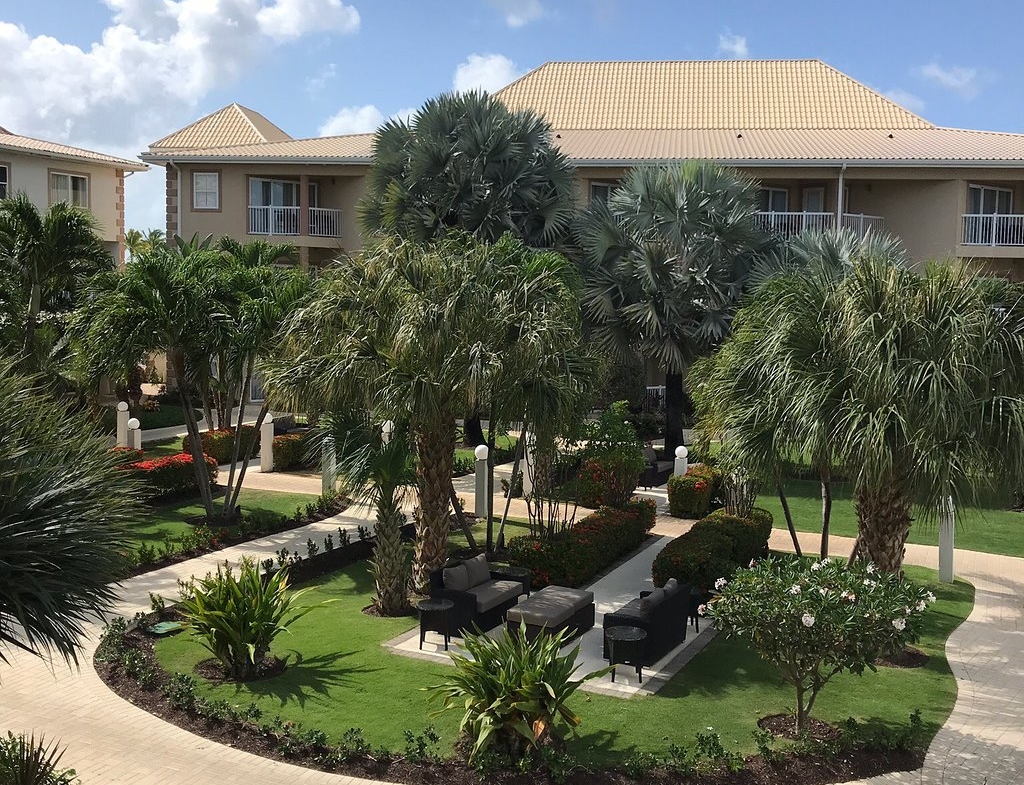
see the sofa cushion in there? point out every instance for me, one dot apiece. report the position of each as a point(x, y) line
point(633, 610)
point(456, 578)
point(551, 606)
point(671, 586)
point(478, 570)
point(650, 456)
point(493, 593)
point(652, 599)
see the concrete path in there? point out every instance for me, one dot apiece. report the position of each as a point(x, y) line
point(112, 742)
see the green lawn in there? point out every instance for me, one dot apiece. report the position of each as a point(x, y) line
point(341, 678)
point(168, 520)
point(167, 416)
point(991, 529)
point(501, 442)
point(161, 448)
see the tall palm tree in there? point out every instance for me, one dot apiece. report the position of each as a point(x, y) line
point(64, 505)
point(410, 331)
point(52, 254)
point(915, 381)
point(665, 261)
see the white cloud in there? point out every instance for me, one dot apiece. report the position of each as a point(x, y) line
point(405, 115)
point(287, 20)
point(959, 79)
point(519, 12)
point(484, 72)
point(906, 99)
point(352, 120)
point(733, 46)
point(316, 83)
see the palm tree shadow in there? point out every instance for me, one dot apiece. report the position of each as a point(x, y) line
point(305, 677)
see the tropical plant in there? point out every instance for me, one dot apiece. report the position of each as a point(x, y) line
point(912, 382)
point(816, 620)
point(665, 262)
point(612, 460)
point(512, 690)
point(238, 617)
point(48, 256)
point(411, 332)
point(24, 760)
point(136, 243)
point(63, 513)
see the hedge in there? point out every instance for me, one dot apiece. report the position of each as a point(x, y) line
point(577, 555)
point(290, 452)
point(691, 495)
point(171, 475)
point(219, 443)
point(715, 547)
point(607, 479)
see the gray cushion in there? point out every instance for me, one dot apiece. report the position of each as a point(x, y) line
point(478, 570)
point(493, 593)
point(652, 599)
point(671, 585)
point(456, 578)
point(650, 455)
point(551, 606)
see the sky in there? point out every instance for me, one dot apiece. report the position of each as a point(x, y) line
point(115, 75)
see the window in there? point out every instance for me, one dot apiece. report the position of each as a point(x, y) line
point(987, 200)
point(599, 192)
point(70, 188)
point(774, 200)
point(814, 199)
point(4, 180)
point(205, 191)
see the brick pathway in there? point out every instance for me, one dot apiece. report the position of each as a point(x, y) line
point(112, 742)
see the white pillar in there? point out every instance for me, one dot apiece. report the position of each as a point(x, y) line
point(386, 429)
point(681, 464)
point(134, 434)
point(122, 424)
point(527, 464)
point(947, 527)
point(328, 466)
point(482, 503)
point(267, 445)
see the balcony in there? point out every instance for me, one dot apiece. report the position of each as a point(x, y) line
point(993, 230)
point(789, 224)
point(284, 221)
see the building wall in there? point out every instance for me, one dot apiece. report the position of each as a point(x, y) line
point(923, 214)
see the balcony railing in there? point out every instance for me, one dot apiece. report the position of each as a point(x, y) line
point(323, 221)
point(788, 224)
point(991, 230)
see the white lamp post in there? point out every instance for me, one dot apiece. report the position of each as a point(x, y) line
point(134, 434)
point(386, 431)
point(122, 424)
point(267, 444)
point(483, 498)
point(681, 460)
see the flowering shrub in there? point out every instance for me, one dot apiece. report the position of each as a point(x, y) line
point(219, 443)
point(815, 620)
point(691, 495)
point(170, 475)
point(611, 462)
point(575, 556)
point(290, 452)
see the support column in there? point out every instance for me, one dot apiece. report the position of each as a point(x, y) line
point(122, 424)
point(947, 528)
point(328, 467)
point(134, 434)
point(304, 205)
point(267, 445)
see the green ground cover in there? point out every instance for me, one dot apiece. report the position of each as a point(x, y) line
point(340, 677)
point(167, 416)
point(990, 528)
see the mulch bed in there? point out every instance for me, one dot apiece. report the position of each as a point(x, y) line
point(784, 726)
point(910, 657)
point(213, 671)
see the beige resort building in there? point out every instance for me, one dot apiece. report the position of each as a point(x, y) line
point(826, 150)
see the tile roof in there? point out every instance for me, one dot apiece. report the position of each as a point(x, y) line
point(26, 144)
point(703, 94)
point(232, 125)
point(353, 148)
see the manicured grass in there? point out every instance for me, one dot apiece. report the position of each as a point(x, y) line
point(167, 416)
point(340, 677)
point(989, 528)
point(168, 520)
point(503, 442)
point(161, 448)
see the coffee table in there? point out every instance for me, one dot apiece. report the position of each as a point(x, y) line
point(435, 616)
point(626, 647)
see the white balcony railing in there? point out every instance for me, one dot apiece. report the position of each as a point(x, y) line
point(788, 224)
point(324, 222)
point(1005, 230)
point(274, 220)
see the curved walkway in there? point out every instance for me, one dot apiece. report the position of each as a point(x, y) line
point(112, 742)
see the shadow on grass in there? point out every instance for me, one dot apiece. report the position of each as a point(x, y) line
point(306, 677)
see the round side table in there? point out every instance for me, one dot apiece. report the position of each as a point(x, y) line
point(435, 616)
point(626, 647)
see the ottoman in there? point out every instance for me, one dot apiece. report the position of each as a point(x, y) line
point(552, 610)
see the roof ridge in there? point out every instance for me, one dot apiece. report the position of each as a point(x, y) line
point(873, 91)
point(688, 60)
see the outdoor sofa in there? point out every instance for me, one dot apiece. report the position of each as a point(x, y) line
point(482, 594)
point(661, 613)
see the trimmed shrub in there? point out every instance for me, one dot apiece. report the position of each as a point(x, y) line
point(611, 461)
point(169, 476)
point(749, 535)
point(290, 452)
point(578, 554)
point(219, 443)
point(691, 495)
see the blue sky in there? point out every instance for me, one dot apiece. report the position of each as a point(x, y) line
point(116, 74)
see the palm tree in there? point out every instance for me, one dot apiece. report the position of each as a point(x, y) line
point(135, 242)
point(665, 261)
point(914, 381)
point(63, 515)
point(410, 332)
point(52, 254)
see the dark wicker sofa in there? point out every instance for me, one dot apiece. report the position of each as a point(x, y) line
point(485, 597)
point(662, 614)
point(655, 473)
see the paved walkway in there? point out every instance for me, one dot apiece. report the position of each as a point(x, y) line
point(112, 742)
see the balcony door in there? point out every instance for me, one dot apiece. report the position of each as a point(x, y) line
point(984, 202)
point(273, 206)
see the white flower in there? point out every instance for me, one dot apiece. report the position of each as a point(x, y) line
point(930, 597)
point(899, 624)
point(922, 605)
point(816, 566)
point(870, 583)
point(795, 589)
point(823, 591)
point(702, 610)
point(720, 583)
point(871, 568)
point(848, 595)
point(752, 562)
point(808, 620)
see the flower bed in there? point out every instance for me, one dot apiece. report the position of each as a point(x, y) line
point(219, 443)
point(171, 475)
point(590, 546)
point(692, 494)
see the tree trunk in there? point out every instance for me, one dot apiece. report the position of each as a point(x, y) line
point(460, 516)
point(883, 523)
point(434, 458)
point(675, 403)
point(473, 431)
point(389, 568)
point(236, 448)
point(789, 517)
point(826, 511)
point(247, 453)
point(520, 447)
point(195, 442)
point(35, 304)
